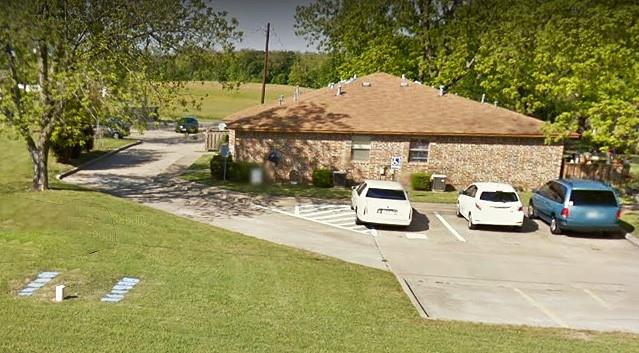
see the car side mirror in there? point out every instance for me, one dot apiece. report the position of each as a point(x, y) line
point(461, 192)
point(353, 187)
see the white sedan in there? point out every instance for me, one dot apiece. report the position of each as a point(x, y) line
point(381, 202)
point(491, 204)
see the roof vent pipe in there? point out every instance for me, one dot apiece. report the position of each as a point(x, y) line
point(442, 90)
point(281, 99)
point(495, 103)
point(483, 98)
point(339, 90)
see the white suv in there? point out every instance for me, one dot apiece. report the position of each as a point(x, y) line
point(491, 204)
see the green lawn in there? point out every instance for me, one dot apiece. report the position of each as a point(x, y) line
point(631, 218)
point(15, 167)
point(217, 103)
point(102, 146)
point(205, 289)
point(634, 165)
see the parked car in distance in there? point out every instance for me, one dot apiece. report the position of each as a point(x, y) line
point(381, 202)
point(577, 205)
point(115, 127)
point(495, 204)
point(188, 124)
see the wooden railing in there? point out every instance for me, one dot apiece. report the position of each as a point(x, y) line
point(213, 139)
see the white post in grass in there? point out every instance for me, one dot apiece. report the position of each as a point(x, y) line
point(59, 293)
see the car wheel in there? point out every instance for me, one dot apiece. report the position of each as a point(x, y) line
point(554, 227)
point(471, 225)
point(357, 221)
point(532, 214)
point(458, 212)
point(116, 135)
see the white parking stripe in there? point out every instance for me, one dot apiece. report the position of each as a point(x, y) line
point(336, 216)
point(596, 298)
point(321, 211)
point(346, 224)
point(543, 309)
point(449, 227)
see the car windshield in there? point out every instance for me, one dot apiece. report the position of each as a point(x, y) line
point(593, 198)
point(498, 196)
point(386, 194)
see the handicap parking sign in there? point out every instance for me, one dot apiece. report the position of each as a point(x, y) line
point(396, 163)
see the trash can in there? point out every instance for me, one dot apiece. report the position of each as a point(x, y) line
point(339, 179)
point(438, 182)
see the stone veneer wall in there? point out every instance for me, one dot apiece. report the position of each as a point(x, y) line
point(522, 162)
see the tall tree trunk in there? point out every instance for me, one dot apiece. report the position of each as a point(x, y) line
point(40, 158)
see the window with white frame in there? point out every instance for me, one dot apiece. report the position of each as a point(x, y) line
point(360, 148)
point(418, 151)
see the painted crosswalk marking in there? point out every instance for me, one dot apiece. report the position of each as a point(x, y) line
point(337, 216)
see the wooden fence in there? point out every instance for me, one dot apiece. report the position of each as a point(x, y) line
point(214, 138)
point(615, 173)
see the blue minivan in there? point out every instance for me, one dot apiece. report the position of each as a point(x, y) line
point(577, 205)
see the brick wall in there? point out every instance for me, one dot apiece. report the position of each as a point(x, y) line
point(522, 162)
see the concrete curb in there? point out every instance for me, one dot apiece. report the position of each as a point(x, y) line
point(99, 158)
point(632, 239)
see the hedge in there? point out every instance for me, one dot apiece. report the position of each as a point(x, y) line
point(322, 178)
point(241, 171)
point(420, 181)
point(217, 167)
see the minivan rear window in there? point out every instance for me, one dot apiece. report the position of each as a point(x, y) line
point(593, 198)
point(498, 196)
point(386, 194)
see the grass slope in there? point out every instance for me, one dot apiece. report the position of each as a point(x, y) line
point(205, 289)
point(218, 103)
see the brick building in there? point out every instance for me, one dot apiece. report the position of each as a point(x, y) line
point(359, 126)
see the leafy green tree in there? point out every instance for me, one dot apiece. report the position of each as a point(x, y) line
point(62, 54)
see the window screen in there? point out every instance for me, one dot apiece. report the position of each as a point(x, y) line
point(361, 148)
point(418, 151)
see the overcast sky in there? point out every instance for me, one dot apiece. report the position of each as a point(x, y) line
point(253, 16)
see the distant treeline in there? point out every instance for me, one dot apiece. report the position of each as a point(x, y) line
point(285, 67)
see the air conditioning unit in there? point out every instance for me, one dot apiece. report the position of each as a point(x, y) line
point(438, 182)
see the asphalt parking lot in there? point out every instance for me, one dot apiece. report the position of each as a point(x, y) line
point(494, 275)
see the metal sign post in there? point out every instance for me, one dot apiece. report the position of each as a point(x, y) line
point(225, 152)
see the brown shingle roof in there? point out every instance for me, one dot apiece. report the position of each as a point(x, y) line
point(384, 108)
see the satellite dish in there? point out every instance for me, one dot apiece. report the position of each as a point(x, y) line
point(221, 126)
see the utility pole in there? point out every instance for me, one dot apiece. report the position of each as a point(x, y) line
point(268, 30)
